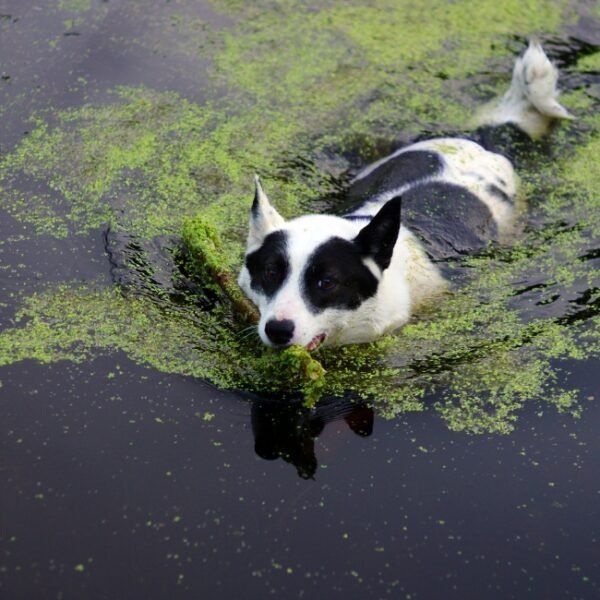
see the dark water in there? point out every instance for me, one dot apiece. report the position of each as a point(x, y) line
point(116, 468)
point(117, 481)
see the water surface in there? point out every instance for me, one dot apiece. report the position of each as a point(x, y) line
point(125, 476)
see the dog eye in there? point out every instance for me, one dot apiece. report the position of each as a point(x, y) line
point(326, 283)
point(271, 273)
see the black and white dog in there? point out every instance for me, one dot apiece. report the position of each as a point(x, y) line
point(324, 279)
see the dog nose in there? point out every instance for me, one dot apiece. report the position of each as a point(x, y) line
point(280, 332)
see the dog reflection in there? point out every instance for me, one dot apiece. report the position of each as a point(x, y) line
point(288, 430)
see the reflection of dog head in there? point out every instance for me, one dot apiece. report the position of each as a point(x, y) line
point(317, 277)
point(288, 430)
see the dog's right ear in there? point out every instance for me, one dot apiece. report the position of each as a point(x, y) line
point(263, 217)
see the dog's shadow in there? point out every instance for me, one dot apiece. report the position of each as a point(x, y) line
point(287, 430)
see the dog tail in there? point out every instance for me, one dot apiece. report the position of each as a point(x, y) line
point(531, 102)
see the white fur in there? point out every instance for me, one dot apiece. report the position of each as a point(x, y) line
point(531, 102)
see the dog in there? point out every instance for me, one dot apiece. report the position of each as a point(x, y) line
point(332, 280)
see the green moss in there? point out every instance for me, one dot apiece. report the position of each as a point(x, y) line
point(589, 63)
point(300, 84)
point(296, 369)
point(74, 5)
point(326, 66)
point(71, 323)
point(306, 92)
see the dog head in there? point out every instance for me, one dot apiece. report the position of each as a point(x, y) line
point(314, 276)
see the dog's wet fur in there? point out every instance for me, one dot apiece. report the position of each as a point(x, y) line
point(324, 279)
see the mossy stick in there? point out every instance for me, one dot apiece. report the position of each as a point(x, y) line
point(207, 257)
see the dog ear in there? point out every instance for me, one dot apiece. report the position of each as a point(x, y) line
point(263, 217)
point(378, 238)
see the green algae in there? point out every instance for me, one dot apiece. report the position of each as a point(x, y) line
point(382, 67)
point(295, 369)
point(71, 322)
point(74, 5)
point(87, 163)
point(323, 86)
point(151, 159)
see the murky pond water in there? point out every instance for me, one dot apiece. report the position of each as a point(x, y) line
point(458, 459)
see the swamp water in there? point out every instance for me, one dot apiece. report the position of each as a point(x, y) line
point(458, 458)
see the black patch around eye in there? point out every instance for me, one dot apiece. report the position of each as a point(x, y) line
point(269, 266)
point(338, 260)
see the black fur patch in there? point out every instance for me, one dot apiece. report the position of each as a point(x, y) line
point(255, 205)
point(510, 141)
point(337, 261)
point(401, 170)
point(499, 193)
point(358, 217)
point(449, 219)
point(269, 265)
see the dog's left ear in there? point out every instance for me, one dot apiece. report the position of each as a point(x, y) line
point(378, 238)
point(263, 218)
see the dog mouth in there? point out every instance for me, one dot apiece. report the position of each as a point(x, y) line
point(316, 342)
